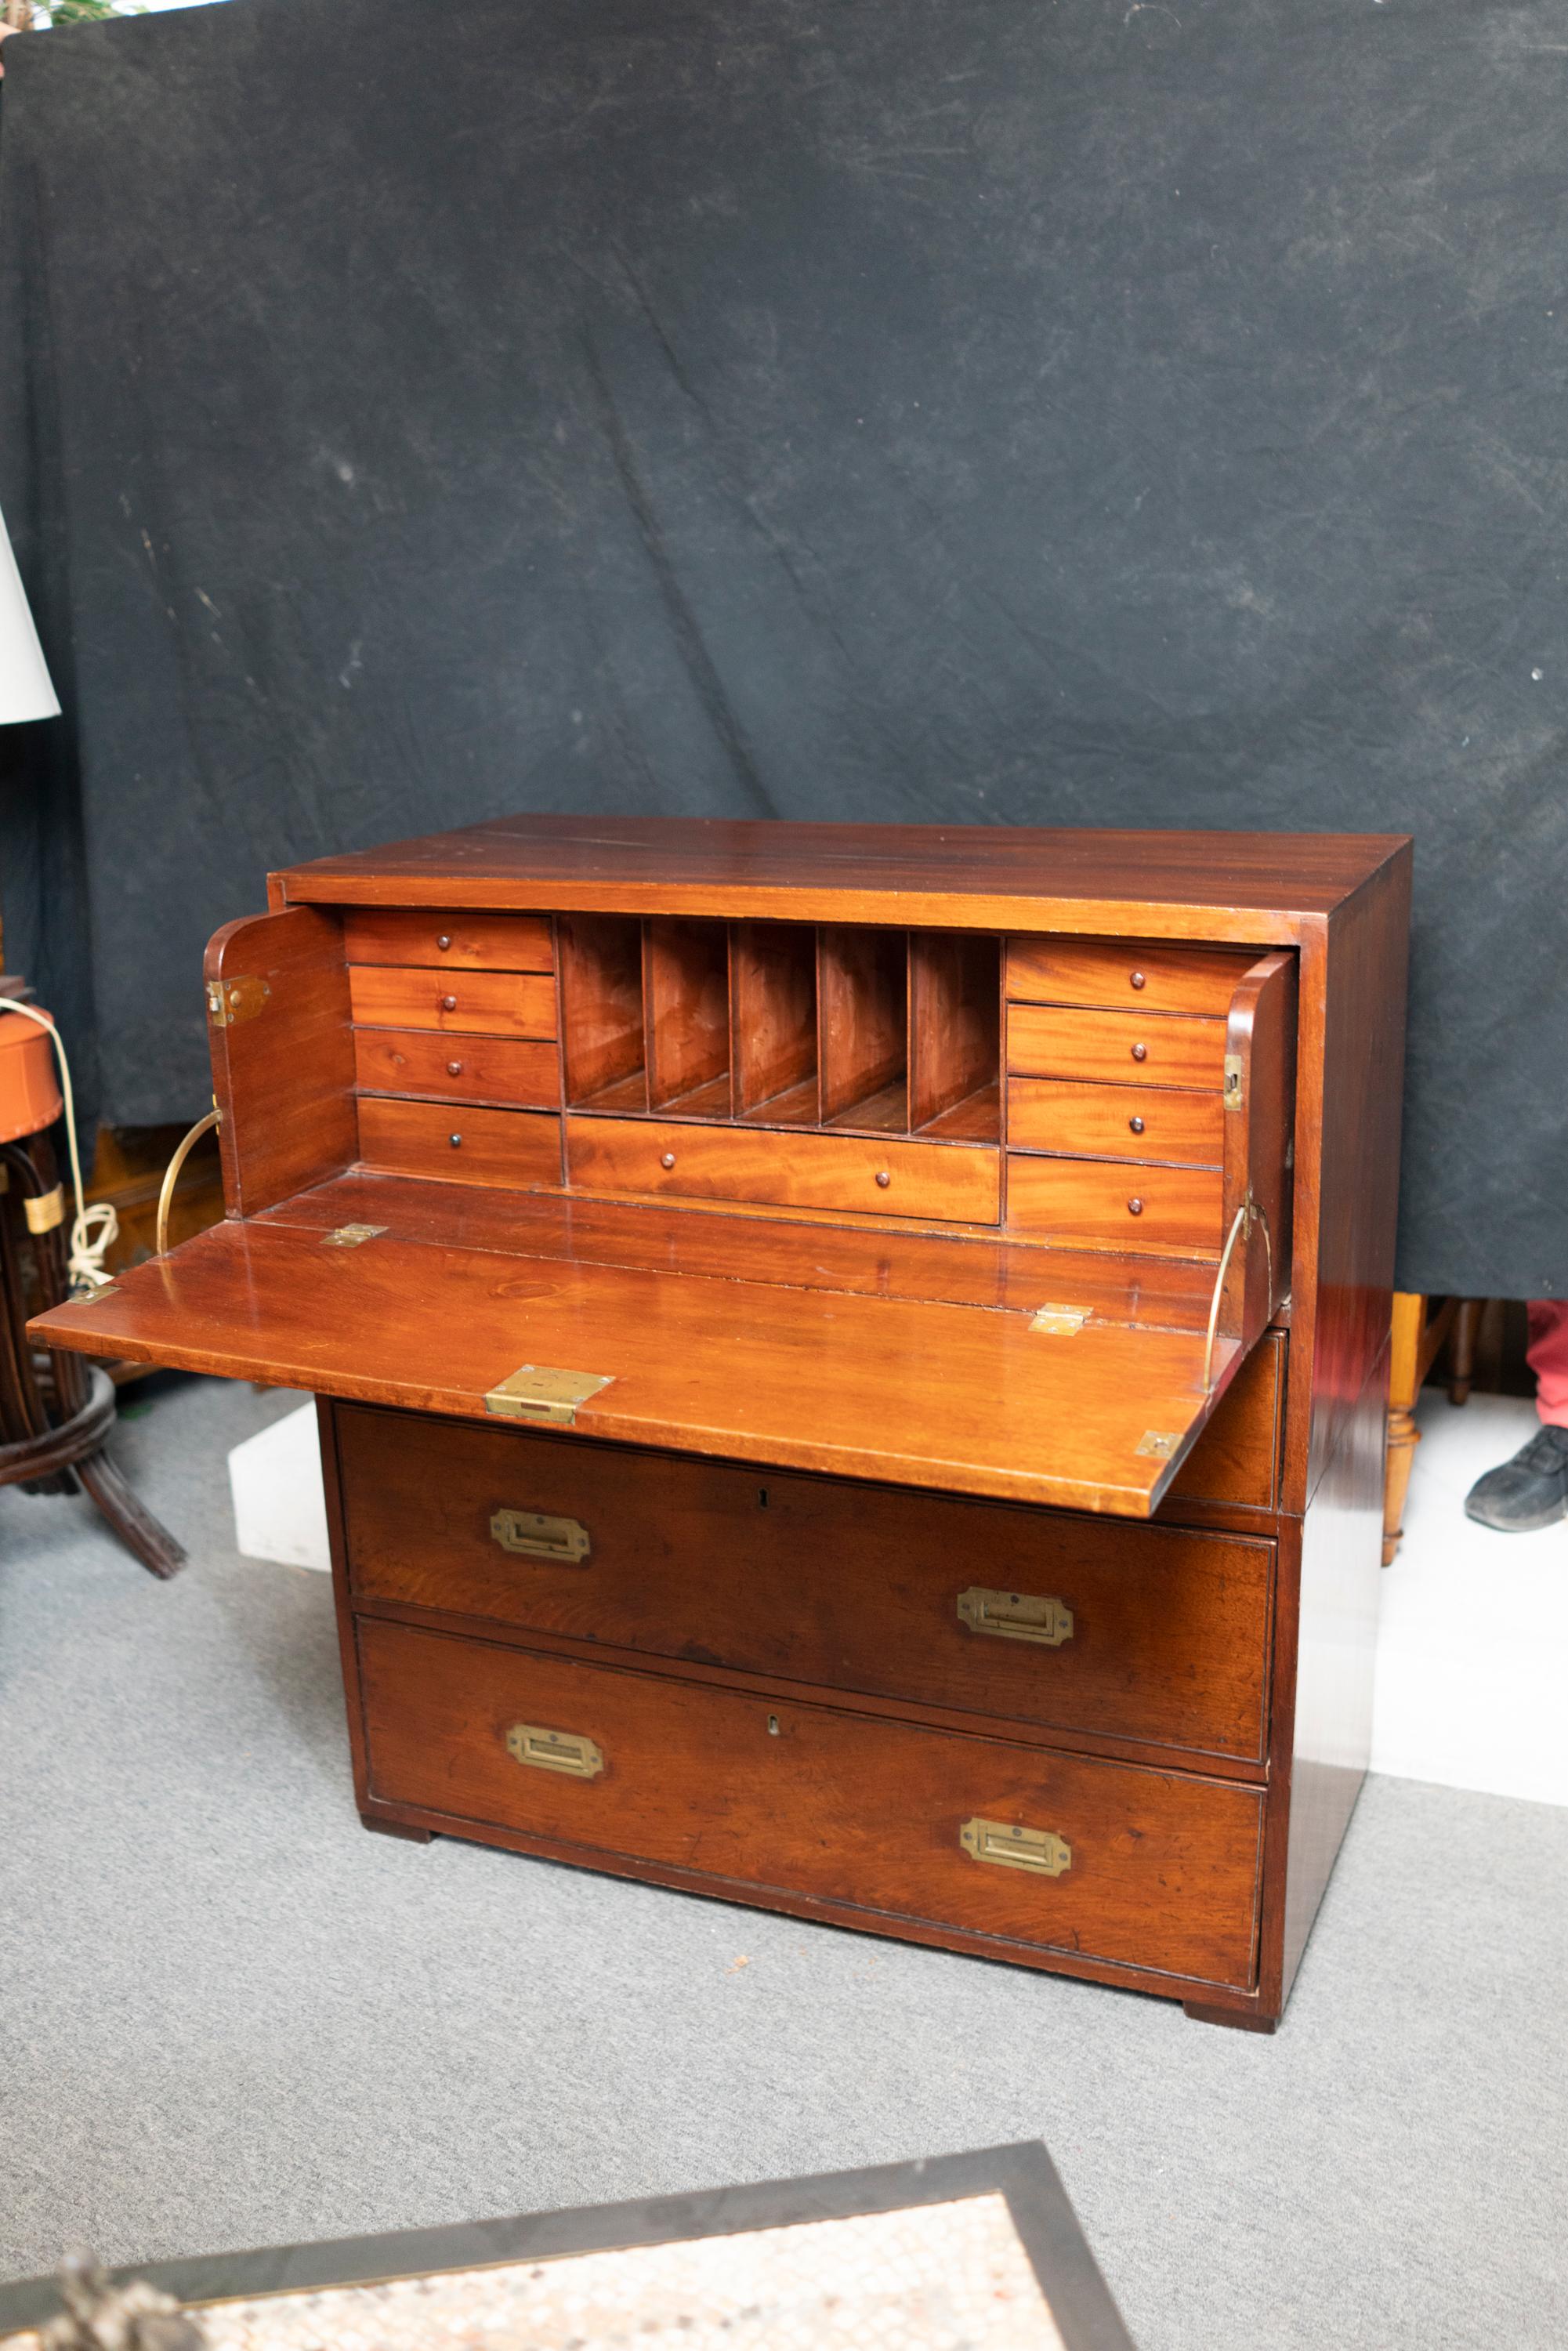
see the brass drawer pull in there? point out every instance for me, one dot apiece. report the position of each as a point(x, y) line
point(1016, 1616)
point(1016, 1848)
point(537, 1536)
point(555, 1750)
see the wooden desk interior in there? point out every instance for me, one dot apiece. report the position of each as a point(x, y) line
point(851, 1360)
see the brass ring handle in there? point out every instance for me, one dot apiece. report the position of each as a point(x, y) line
point(1243, 1217)
point(171, 1176)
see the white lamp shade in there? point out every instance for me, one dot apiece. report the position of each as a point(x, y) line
point(24, 688)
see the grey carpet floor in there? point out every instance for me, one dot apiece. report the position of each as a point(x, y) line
point(230, 2017)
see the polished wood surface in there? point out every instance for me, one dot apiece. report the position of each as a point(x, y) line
point(283, 1074)
point(486, 1003)
point(465, 942)
point(723, 1244)
point(602, 1001)
point(789, 1171)
point(461, 1144)
point(1235, 1460)
point(761, 1798)
point(1087, 1204)
point(1252, 887)
point(1116, 1121)
point(1051, 1024)
point(973, 1400)
point(773, 1018)
point(685, 997)
point(1130, 975)
point(521, 1072)
point(804, 1580)
point(1117, 1048)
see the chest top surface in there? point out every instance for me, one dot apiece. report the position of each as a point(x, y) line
point(1252, 886)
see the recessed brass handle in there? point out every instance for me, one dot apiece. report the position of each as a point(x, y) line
point(1040, 1851)
point(567, 1751)
point(1016, 1615)
point(533, 1534)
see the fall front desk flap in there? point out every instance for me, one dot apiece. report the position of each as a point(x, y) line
point(1050, 1376)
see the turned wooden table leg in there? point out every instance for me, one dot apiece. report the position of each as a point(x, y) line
point(1467, 1326)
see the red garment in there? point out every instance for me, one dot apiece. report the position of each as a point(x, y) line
point(1548, 1358)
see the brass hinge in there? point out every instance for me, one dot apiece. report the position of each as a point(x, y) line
point(567, 1751)
point(1063, 1322)
point(1233, 1082)
point(538, 1392)
point(350, 1235)
point(536, 1536)
point(231, 1001)
point(1016, 1848)
point(47, 1210)
point(1016, 1616)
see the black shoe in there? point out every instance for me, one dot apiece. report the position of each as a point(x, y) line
point(1530, 1491)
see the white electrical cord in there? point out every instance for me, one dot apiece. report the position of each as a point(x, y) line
point(97, 1228)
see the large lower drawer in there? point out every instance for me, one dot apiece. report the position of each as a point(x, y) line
point(1066, 1623)
point(1115, 1048)
point(771, 1799)
point(1106, 1205)
point(958, 1184)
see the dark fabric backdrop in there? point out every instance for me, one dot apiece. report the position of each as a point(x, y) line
point(1036, 411)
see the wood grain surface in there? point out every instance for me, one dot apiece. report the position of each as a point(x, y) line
point(818, 1581)
point(1115, 1048)
point(486, 1003)
point(458, 942)
point(1251, 887)
point(954, 1183)
point(968, 1399)
point(1093, 1204)
point(784, 1796)
point(461, 1143)
point(524, 1073)
point(1109, 1121)
point(1123, 975)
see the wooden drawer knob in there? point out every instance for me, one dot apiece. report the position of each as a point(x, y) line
point(667, 1159)
point(1134, 1207)
point(449, 1004)
point(1140, 1052)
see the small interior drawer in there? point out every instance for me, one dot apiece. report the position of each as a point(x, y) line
point(1115, 1048)
point(767, 1799)
point(478, 1003)
point(1091, 1121)
point(958, 1184)
point(1109, 972)
point(455, 942)
point(1126, 1632)
point(458, 1144)
point(524, 1073)
point(1096, 1204)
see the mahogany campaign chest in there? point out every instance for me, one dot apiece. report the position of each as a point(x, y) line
point(851, 1360)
